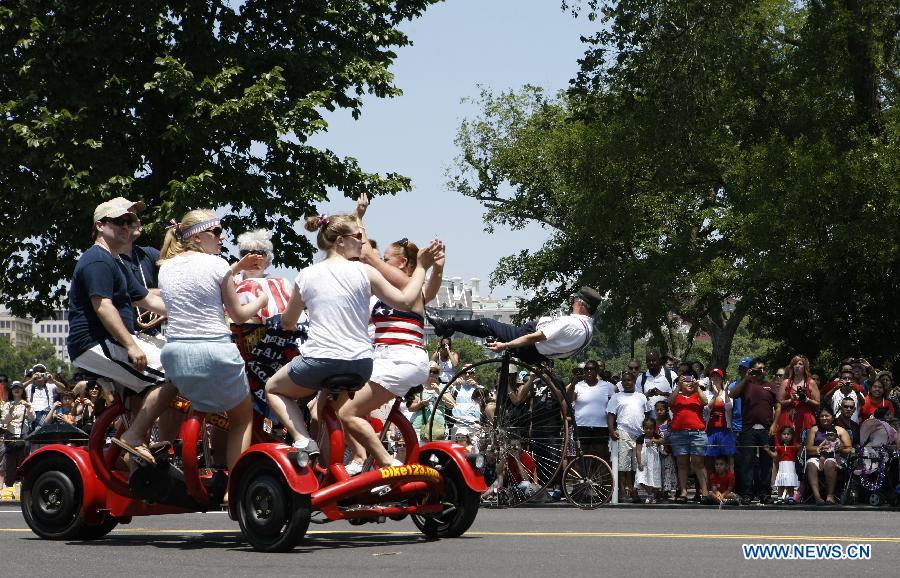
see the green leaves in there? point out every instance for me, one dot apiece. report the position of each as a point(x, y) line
point(178, 104)
point(710, 161)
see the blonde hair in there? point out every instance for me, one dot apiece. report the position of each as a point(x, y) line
point(330, 228)
point(173, 244)
point(257, 240)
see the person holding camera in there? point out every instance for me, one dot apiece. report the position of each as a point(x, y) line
point(688, 433)
point(845, 391)
point(760, 412)
point(446, 358)
point(41, 393)
point(799, 397)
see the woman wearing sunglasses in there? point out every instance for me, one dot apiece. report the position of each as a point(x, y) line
point(400, 360)
point(336, 293)
point(199, 356)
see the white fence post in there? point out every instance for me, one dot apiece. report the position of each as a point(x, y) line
point(614, 459)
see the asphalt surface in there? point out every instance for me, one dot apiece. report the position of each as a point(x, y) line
point(549, 542)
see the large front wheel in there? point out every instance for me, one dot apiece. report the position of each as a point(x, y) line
point(460, 508)
point(273, 517)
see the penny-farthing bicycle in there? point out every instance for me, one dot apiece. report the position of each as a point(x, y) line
point(533, 445)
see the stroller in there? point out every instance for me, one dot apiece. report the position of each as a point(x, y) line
point(873, 465)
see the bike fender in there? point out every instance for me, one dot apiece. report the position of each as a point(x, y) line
point(92, 489)
point(457, 453)
point(301, 481)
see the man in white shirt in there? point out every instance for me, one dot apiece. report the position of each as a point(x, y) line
point(656, 382)
point(467, 404)
point(40, 392)
point(549, 337)
point(626, 412)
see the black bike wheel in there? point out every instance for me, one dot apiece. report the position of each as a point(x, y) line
point(524, 441)
point(460, 507)
point(588, 482)
point(272, 517)
point(51, 499)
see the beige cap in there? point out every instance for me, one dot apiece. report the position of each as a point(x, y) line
point(116, 208)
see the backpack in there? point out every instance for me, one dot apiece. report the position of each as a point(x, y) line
point(666, 371)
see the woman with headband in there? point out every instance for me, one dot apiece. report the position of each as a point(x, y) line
point(336, 293)
point(199, 356)
point(400, 361)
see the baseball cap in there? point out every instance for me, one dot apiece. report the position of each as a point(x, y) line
point(39, 367)
point(717, 371)
point(16, 384)
point(462, 431)
point(116, 208)
point(746, 362)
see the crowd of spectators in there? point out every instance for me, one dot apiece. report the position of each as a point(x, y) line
point(681, 432)
point(40, 399)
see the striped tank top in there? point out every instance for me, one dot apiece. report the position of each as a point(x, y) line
point(394, 327)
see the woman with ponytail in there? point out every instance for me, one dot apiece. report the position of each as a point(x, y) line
point(400, 360)
point(336, 293)
point(199, 356)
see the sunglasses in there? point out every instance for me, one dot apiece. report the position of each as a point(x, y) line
point(434, 372)
point(216, 231)
point(848, 407)
point(245, 252)
point(123, 221)
point(358, 235)
point(633, 367)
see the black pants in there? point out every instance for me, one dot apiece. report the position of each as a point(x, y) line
point(504, 332)
point(756, 464)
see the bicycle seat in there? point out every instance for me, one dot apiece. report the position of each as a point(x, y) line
point(348, 382)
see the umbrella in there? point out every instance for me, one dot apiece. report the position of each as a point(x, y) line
point(58, 433)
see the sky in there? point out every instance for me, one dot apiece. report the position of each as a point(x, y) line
point(457, 46)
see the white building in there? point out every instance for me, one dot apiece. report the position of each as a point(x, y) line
point(55, 330)
point(457, 299)
point(16, 329)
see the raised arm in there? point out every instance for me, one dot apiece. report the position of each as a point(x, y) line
point(239, 312)
point(406, 298)
point(294, 309)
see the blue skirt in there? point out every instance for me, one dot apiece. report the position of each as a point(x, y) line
point(209, 372)
point(721, 443)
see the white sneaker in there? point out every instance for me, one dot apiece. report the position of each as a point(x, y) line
point(354, 467)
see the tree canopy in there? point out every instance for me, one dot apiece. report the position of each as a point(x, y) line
point(181, 104)
point(711, 160)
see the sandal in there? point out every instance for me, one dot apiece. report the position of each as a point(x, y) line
point(831, 501)
point(820, 502)
point(681, 500)
point(140, 451)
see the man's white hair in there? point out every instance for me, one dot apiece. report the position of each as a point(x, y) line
point(257, 240)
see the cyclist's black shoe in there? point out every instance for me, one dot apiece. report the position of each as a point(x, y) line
point(441, 326)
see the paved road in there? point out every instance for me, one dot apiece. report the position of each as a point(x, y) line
point(547, 542)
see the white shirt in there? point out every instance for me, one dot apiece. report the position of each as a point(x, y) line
point(466, 409)
point(191, 287)
point(336, 293)
point(629, 409)
point(566, 335)
point(590, 403)
point(658, 382)
point(839, 397)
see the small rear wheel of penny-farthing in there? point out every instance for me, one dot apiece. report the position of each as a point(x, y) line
point(588, 482)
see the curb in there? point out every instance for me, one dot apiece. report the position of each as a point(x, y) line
point(695, 506)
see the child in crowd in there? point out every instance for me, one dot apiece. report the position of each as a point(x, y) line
point(462, 437)
point(646, 449)
point(721, 482)
point(785, 455)
point(626, 411)
point(668, 471)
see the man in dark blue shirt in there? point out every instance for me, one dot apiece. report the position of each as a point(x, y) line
point(101, 339)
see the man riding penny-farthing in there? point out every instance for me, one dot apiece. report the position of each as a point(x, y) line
point(532, 440)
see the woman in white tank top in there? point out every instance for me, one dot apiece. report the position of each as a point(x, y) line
point(336, 294)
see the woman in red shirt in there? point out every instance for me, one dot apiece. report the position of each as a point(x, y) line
point(874, 400)
point(688, 433)
point(799, 397)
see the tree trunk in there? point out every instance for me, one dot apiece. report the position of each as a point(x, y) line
point(723, 335)
point(864, 73)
